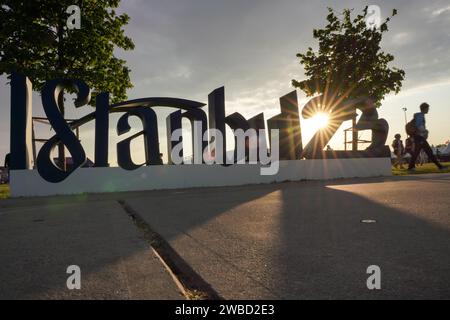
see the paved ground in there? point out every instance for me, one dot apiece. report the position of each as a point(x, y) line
point(305, 240)
point(40, 238)
point(284, 241)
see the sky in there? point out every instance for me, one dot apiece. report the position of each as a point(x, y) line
point(188, 48)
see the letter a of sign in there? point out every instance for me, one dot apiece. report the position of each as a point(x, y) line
point(374, 281)
point(74, 280)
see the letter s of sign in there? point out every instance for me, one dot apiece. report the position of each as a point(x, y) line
point(63, 131)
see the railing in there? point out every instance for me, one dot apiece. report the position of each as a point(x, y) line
point(45, 121)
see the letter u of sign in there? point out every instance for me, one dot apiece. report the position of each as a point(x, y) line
point(47, 169)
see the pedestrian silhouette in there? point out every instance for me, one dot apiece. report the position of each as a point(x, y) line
point(399, 151)
point(417, 129)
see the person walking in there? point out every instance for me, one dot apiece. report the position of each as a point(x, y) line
point(417, 129)
point(399, 151)
point(7, 166)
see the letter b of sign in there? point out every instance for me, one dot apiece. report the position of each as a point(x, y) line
point(74, 280)
point(74, 20)
point(374, 281)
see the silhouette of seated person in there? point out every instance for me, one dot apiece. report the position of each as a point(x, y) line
point(369, 121)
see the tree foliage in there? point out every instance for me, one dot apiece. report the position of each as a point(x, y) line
point(35, 41)
point(349, 62)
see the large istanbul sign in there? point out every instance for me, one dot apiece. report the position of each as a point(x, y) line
point(253, 160)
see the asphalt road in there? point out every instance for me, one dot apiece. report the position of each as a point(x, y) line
point(301, 240)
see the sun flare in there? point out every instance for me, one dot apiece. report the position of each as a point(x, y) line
point(320, 120)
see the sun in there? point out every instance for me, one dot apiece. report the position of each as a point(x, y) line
point(320, 120)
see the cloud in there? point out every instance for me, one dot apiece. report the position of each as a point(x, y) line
point(189, 48)
point(441, 11)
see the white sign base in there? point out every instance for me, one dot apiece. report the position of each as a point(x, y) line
point(28, 183)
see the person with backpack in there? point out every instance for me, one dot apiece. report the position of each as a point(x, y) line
point(399, 151)
point(417, 129)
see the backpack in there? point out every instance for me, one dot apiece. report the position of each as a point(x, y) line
point(409, 145)
point(411, 128)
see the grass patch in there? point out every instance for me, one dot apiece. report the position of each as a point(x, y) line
point(426, 168)
point(4, 191)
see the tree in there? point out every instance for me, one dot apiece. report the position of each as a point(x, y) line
point(35, 41)
point(349, 62)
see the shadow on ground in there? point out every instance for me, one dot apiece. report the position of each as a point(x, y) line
point(306, 240)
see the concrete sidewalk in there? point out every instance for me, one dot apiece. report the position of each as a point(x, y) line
point(40, 238)
point(306, 240)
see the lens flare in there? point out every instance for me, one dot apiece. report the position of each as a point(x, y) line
point(320, 120)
